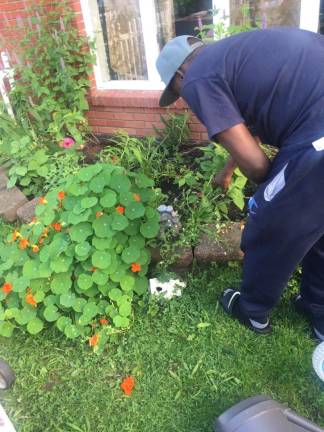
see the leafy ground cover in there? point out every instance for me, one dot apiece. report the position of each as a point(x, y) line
point(190, 362)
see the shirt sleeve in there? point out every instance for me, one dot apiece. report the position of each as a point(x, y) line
point(212, 101)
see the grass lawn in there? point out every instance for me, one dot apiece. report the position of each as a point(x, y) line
point(190, 363)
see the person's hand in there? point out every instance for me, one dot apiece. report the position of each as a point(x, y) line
point(222, 180)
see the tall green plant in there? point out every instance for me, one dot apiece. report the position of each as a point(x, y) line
point(52, 74)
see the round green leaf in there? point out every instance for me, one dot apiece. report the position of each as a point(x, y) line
point(84, 282)
point(103, 227)
point(133, 228)
point(61, 283)
point(25, 315)
point(51, 313)
point(79, 233)
point(97, 183)
point(109, 199)
point(125, 309)
point(68, 299)
point(150, 229)
point(114, 294)
point(82, 249)
point(127, 283)
point(121, 322)
point(90, 310)
point(120, 183)
point(6, 329)
point(135, 210)
point(21, 284)
point(61, 264)
point(30, 269)
point(48, 217)
point(101, 259)
point(145, 257)
point(79, 304)
point(100, 277)
point(71, 331)
point(74, 219)
point(119, 222)
point(89, 202)
point(85, 174)
point(137, 241)
point(35, 326)
point(62, 322)
point(130, 254)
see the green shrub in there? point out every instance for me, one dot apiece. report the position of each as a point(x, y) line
point(84, 259)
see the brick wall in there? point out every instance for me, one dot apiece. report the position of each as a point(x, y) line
point(135, 111)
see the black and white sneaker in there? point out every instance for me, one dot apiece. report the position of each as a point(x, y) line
point(231, 305)
point(317, 325)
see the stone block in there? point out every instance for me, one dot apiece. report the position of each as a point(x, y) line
point(10, 201)
point(27, 211)
point(220, 245)
point(3, 181)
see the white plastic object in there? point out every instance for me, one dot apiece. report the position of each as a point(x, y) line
point(318, 361)
point(5, 423)
point(168, 290)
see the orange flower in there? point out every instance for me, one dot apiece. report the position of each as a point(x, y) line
point(23, 243)
point(41, 241)
point(35, 248)
point(42, 200)
point(103, 321)
point(136, 197)
point(30, 299)
point(93, 269)
point(7, 288)
point(16, 234)
point(128, 385)
point(120, 209)
point(93, 341)
point(99, 214)
point(136, 268)
point(57, 226)
point(61, 195)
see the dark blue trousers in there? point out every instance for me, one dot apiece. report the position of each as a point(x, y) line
point(285, 227)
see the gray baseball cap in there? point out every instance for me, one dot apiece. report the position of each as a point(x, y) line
point(173, 54)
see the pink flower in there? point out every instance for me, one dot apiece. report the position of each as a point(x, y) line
point(67, 143)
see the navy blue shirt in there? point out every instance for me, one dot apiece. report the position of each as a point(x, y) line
point(271, 80)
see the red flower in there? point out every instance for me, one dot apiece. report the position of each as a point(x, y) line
point(30, 299)
point(16, 234)
point(128, 385)
point(93, 341)
point(120, 209)
point(99, 214)
point(7, 288)
point(35, 248)
point(57, 226)
point(136, 197)
point(61, 195)
point(136, 268)
point(23, 243)
point(103, 321)
point(42, 200)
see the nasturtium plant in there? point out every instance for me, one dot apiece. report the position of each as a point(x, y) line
point(83, 259)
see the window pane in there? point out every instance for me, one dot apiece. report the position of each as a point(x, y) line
point(123, 39)
point(180, 17)
point(272, 13)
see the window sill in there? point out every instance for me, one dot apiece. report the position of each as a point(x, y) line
point(129, 98)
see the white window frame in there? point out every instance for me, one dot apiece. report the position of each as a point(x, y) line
point(309, 17)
